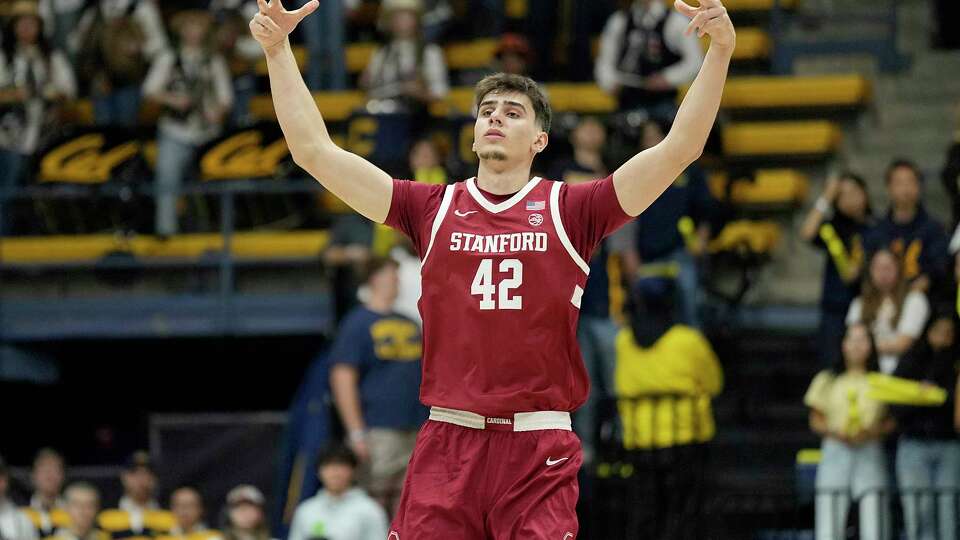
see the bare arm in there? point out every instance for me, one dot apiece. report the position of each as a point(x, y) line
point(344, 383)
point(815, 217)
point(359, 183)
point(641, 180)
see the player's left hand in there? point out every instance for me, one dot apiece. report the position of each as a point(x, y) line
point(709, 19)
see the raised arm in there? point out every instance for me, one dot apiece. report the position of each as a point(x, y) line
point(644, 177)
point(356, 181)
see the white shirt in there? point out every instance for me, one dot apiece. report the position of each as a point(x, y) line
point(913, 317)
point(352, 516)
point(29, 69)
point(15, 525)
point(608, 74)
point(397, 63)
point(408, 294)
point(195, 129)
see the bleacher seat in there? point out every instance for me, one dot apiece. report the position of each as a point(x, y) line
point(745, 236)
point(121, 524)
point(805, 139)
point(87, 249)
point(808, 92)
point(768, 187)
point(203, 535)
point(753, 44)
point(757, 5)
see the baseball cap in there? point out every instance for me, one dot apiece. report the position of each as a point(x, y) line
point(245, 493)
point(138, 459)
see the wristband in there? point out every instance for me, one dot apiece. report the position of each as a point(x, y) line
point(824, 207)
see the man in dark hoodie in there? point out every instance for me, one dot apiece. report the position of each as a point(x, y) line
point(909, 232)
point(928, 453)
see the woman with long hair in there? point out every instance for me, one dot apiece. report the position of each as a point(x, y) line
point(852, 425)
point(893, 312)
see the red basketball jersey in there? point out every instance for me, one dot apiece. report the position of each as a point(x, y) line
point(501, 284)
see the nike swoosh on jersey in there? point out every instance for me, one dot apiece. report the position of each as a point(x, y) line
point(552, 462)
point(464, 214)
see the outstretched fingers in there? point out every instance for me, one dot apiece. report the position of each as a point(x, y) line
point(703, 17)
point(305, 10)
point(685, 8)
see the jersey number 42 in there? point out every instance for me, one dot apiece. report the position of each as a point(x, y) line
point(484, 287)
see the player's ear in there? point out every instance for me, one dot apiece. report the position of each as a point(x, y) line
point(541, 143)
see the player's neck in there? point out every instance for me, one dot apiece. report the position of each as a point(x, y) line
point(502, 181)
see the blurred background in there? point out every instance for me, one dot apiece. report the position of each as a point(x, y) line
point(188, 322)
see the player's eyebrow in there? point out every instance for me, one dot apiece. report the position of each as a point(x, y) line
point(494, 102)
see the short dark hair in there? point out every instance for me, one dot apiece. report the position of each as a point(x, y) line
point(374, 265)
point(337, 453)
point(47, 453)
point(507, 82)
point(903, 163)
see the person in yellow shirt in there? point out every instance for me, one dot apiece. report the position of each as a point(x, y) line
point(853, 425)
point(666, 374)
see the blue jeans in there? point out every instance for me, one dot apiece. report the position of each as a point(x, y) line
point(597, 337)
point(857, 472)
point(173, 160)
point(928, 472)
point(323, 33)
point(118, 108)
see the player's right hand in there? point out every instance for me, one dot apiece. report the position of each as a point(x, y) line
point(272, 25)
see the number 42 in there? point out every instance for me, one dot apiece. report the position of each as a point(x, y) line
point(484, 287)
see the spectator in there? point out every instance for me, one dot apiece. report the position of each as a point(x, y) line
point(47, 476)
point(115, 42)
point(852, 425)
point(908, 231)
point(666, 376)
point(645, 55)
point(245, 515)
point(894, 313)
point(596, 331)
point(426, 162)
point(139, 484)
point(14, 524)
point(673, 232)
point(339, 511)
point(241, 52)
point(60, 18)
point(928, 453)
point(193, 86)
point(375, 381)
point(33, 77)
point(836, 225)
point(83, 503)
point(514, 55)
point(406, 74)
point(187, 507)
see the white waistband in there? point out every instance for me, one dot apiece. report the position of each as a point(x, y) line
point(524, 421)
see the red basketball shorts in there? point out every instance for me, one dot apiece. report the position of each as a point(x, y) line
point(492, 483)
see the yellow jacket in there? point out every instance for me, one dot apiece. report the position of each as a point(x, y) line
point(664, 391)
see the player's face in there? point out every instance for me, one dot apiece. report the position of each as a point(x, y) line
point(507, 128)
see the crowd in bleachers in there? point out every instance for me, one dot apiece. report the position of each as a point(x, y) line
point(886, 404)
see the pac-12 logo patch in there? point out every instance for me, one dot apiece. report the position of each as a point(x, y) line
point(535, 219)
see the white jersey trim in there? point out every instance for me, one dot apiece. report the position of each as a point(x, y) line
point(438, 220)
point(505, 205)
point(561, 232)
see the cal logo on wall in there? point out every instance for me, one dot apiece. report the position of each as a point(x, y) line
point(254, 152)
point(90, 156)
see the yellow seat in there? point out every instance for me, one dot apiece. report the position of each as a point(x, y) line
point(768, 92)
point(809, 138)
point(120, 524)
point(769, 186)
point(335, 106)
point(474, 54)
point(809, 456)
point(752, 44)
point(745, 236)
point(358, 55)
point(89, 248)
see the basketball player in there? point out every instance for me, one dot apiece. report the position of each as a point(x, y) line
point(503, 268)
